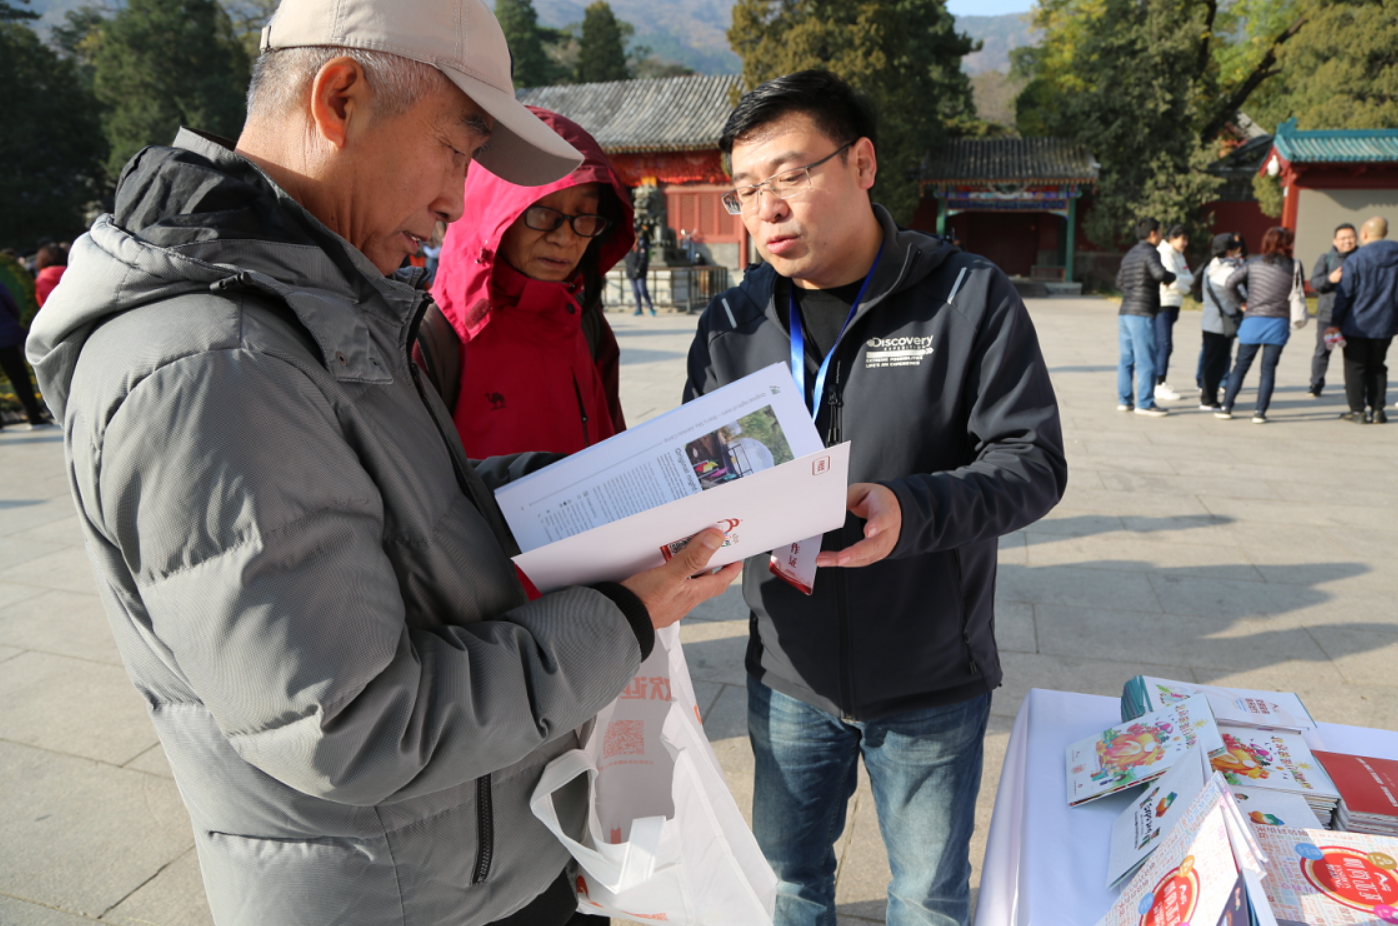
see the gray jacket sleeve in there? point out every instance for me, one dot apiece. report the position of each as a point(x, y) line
point(1235, 283)
point(1320, 276)
point(256, 539)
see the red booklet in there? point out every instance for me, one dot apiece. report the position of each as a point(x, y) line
point(1367, 786)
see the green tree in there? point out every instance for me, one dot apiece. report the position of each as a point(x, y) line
point(1148, 85)
point(51, 147)
point(904, 54)
point(162, 64)
point(248, 17)
point(11, 13)
point(602, 46)
point(534, 66)
point(1340, 71)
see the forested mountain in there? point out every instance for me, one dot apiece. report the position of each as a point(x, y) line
point(691, 32)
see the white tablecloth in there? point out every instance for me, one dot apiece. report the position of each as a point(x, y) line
point(1046, 862)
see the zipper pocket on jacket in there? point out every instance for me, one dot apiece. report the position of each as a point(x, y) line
point(485, 830)
point(582, 411)
point(965, 618)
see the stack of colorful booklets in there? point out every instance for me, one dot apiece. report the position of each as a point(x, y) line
point(1261, 733)
point(1142, 750)
point(1265, 710)
point(1368, 792)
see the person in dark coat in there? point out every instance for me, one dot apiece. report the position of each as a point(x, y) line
point(12, 336)
point(637, 264)
point(1324, 279)
point(1366, 313)
point(926, 360)
point(1141, 275)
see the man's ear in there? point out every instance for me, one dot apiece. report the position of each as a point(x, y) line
point(866, 162)
point(339, 95)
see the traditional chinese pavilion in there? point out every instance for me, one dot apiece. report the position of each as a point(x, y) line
point(663, 133)
point(1333, 176)
point(1011, 200)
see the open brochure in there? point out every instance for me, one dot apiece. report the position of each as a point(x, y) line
point(1138, 831)
point(1205, 870)
point(745, 458)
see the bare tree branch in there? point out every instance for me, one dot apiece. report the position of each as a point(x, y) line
point(1260, 73)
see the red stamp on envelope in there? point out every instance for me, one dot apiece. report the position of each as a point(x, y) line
point(820, 465)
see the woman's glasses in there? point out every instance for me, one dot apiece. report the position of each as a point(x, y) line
point(544, 219)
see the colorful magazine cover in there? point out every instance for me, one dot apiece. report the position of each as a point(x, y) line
point(1325, 878)
point(1273, 760)
point(1138, 830)
point(1133, 753)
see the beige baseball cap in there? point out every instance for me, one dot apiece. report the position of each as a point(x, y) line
point(463, 40)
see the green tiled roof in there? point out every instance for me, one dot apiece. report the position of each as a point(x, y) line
point(1335, 145)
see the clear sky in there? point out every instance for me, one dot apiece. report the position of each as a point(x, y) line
point(988, 7)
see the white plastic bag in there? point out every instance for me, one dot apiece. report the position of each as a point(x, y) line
point(1299, 313)
point(665, 841)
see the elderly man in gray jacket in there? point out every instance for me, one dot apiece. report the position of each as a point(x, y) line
point(309, 583)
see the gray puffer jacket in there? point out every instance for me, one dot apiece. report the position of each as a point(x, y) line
point(1268, 282)
point(309, 583)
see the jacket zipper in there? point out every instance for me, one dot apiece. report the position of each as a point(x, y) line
point(961, 606)
point(485, 809)
point(582, 411)
point(485, 829)
point(834, 428)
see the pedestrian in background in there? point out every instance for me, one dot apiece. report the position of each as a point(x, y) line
point(1366, 313)
point(1171, 300)
point(1324, 278)
point(49, 263)
point(1221, 317)
point(12, 336)
point(637, 265)
point(1266, 287)
point(1141, 275)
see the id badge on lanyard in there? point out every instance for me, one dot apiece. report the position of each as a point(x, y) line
point(796, 564)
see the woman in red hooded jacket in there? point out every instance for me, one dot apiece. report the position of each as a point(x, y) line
point(519, 282)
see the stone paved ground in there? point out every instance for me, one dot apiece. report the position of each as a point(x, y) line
point(1186, 547)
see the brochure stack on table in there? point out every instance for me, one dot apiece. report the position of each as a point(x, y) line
point(1368, 792)
point(1229, 827)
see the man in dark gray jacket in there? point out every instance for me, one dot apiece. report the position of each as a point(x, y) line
point(925, 359)
point(1140, 277)
point(1325, 278)
point(309, 584)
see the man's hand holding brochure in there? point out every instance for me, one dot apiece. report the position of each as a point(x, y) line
point(745, 459)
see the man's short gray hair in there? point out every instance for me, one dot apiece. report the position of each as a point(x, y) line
point(281, 78)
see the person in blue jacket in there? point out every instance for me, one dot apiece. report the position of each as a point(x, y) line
point(1366, 313)
point(924, 358)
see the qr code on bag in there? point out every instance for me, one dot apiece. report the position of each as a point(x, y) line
point(624, 738)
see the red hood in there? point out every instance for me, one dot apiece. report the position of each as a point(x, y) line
point(492, 205)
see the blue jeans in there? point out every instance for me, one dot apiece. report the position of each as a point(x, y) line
point(1164, 340)
point(1271, 354)
point(925, 768)
point(640, 291)
point(1137, 336)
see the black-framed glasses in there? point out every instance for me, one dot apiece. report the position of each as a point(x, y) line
point(782, 185)
point(544, 219)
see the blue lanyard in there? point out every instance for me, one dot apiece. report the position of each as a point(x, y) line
point(798, 343)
